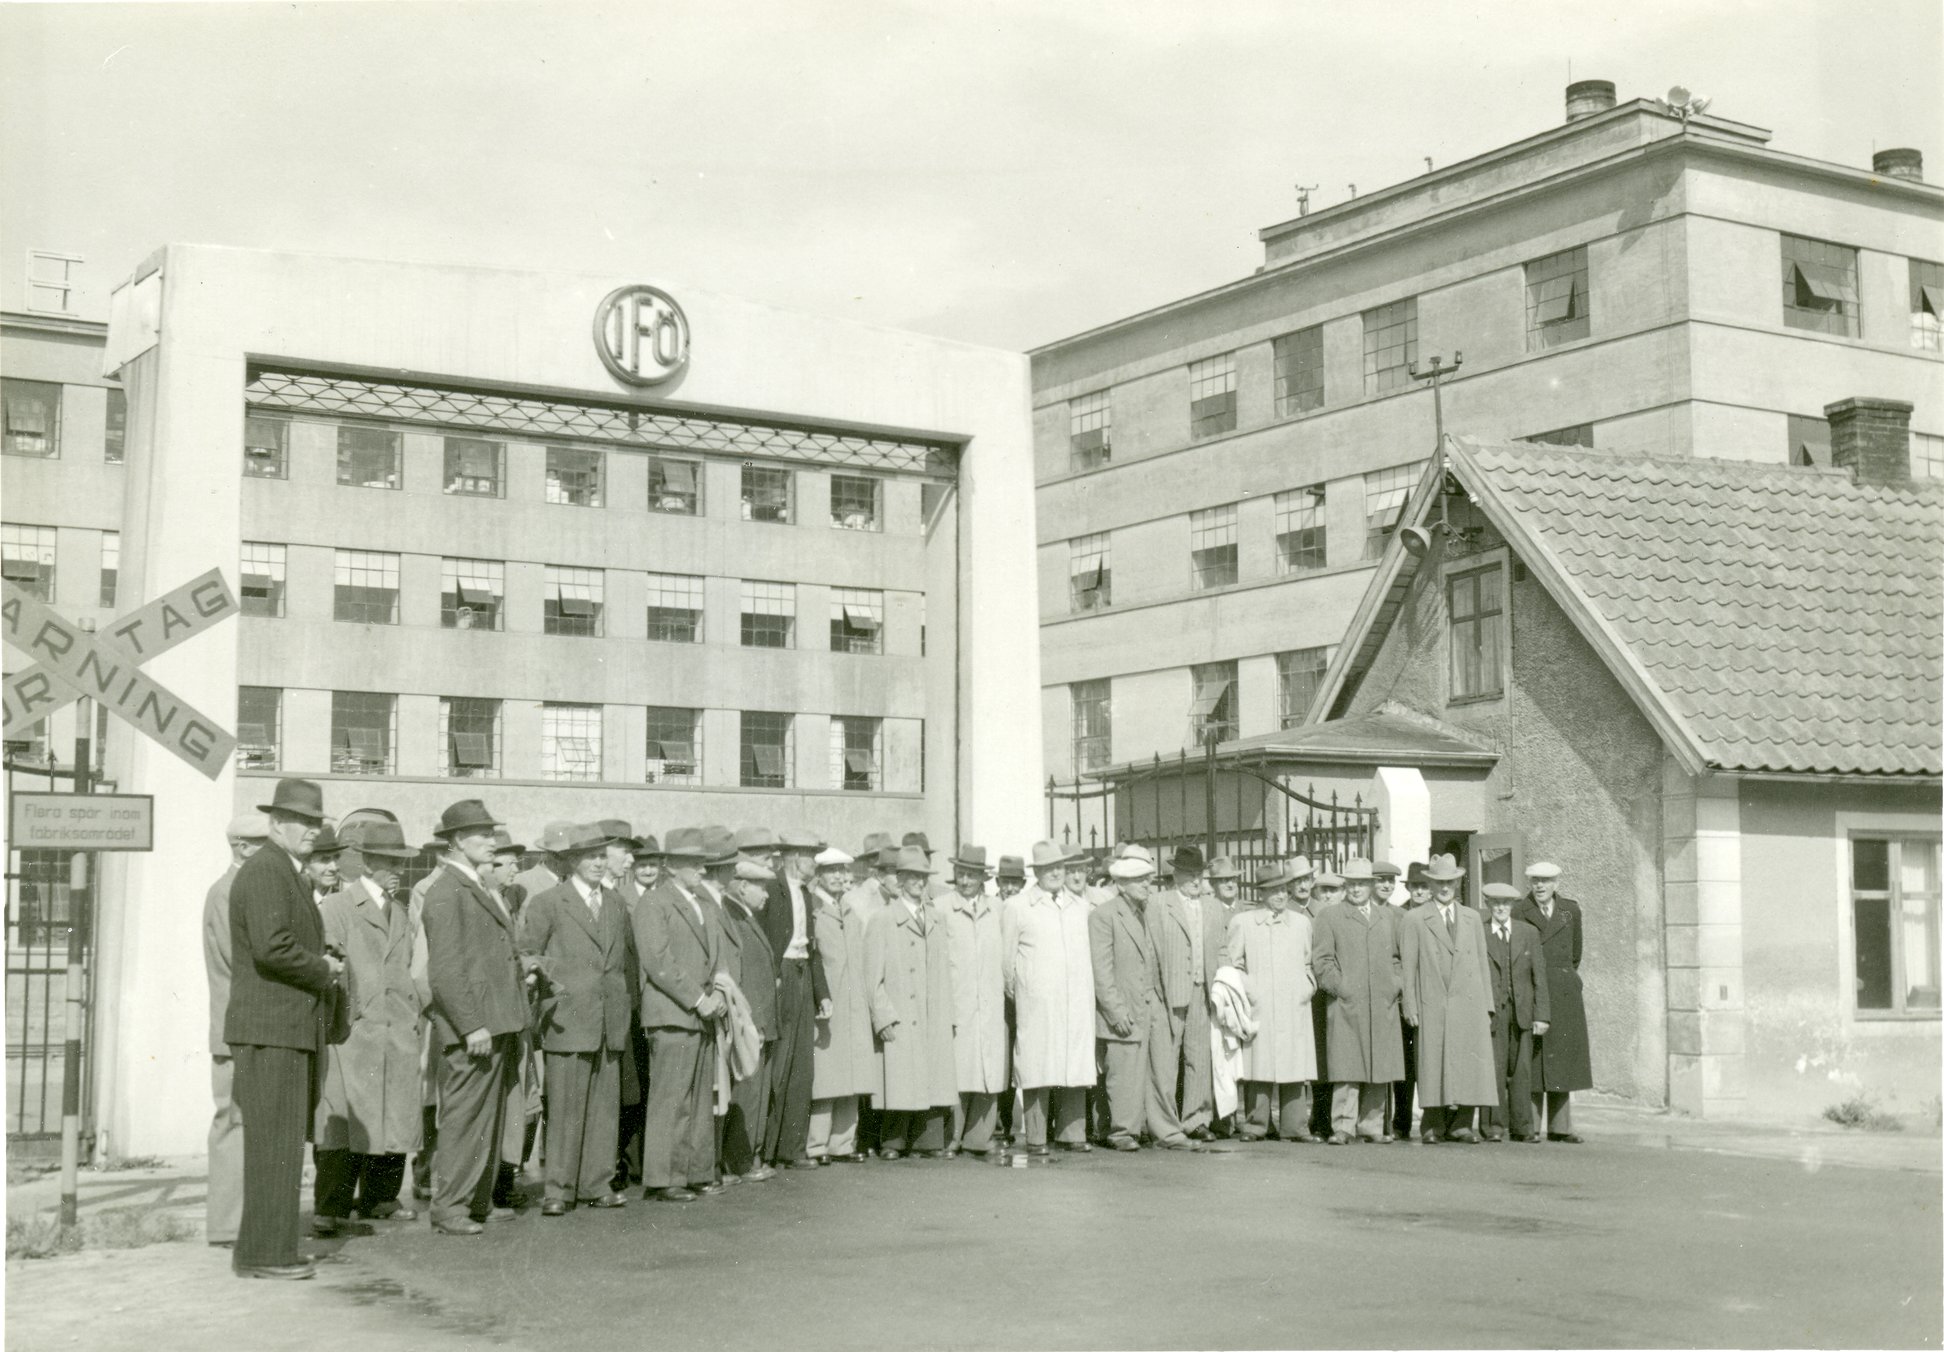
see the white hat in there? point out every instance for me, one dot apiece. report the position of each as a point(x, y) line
point(1542, 870)
point(1126, 870)
point(832, 857)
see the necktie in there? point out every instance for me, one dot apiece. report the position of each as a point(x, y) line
point(1504, 935)
point(1451, 923)
point(594, 902)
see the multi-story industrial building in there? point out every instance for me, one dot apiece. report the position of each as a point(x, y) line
point(1217, 476)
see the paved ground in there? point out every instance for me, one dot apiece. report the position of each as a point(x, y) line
point(1622, 1242)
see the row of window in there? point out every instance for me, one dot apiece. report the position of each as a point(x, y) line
point(1818, 293)
point(364, 741)
point(1212, 707)
point(30, 420)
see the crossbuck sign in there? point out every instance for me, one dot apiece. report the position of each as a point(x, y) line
point(71, 664)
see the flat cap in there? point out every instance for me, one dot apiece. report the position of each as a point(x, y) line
point(1542, 869)
point(252, 825)
point(1501, 892)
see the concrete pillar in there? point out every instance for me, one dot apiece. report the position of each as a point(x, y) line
point(1403, 804)
point(1707, 1021)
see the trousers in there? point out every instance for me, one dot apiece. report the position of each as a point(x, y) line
point(274, 1093)
point(1552, 1111)
point(1360, 1109)
point(833, 1127)
point(786, 1128)
point(1197, 1066)
point(1512, 1059)
point(975, 1121)
point(678, 1138)
point(1404, 1091)
point(583, 1120)
point(1164, 1070)
point(913, 1130)
point(1283, 1108)
point(224, 1210)
point(744, 1124)
point(473, 1098)
point(1060, 1108)
point(347, 1181)
point(1125, 1079)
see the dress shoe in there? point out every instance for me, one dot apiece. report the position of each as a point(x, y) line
point(222, 1243)
point(393, 1211)
point(1429, 1137)
point(1039, 1152)
point(807, 1162)
point(336, 1227)
point(1495, 1137)
point(928, 1154)
point(855, 1157)
point(1464, 1135)
point(952, 1152)
point(1385, 1139)
point(730, 1180)
point(762, 1173)
point(1525, 1138)
point(676, 1194)
point(499, 1213)
point(1340, 1138)
point(278, 1272)
point(890, 1153)
point(1183, 1144)
point(1564, 1138)
point(1201, 1134)
point(513, 1199)
point(1302, 1138)
point(1123, 1144)
point(553, 1206)
point(710, 1189)
point(608, 1201)
point(465, 1227)
point(1077, 1147)
point(1251, 1135)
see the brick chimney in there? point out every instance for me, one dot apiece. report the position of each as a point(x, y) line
point(1871, 439)
point(1588, 98)
point(1903, 162)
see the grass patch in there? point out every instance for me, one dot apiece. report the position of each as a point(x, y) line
point(43, 1236)
point(1862, 1113)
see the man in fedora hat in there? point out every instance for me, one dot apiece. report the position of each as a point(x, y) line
point(478, 1011)
point(1132, 1009)
point(1416, 894)
point(802, 994)
point(1270, 945)
point(617, 872)
point(909, 973)
point(246, 835)
point(1009, 879)
point(368, 1116)
point(279, 975)
point(1447, 999)
point(1521, 1009)
point(751, 964)
point(845, 1059)
point(1359, 966)
point(580, 941)
point(979, 1002)
point(1190, 930)
point(1562, 1059)
point(1049, 975)
point(321, 865)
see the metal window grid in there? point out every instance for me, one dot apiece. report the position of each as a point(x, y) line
point(854, 503)
point(857, 754)
point(1477, 614)
point(1090, 571)
point(573, 476)
point(369, 457)
point(1819, 286)
point(1894, 901)
point(674, 486)
point(674, 745)
point(1385, 493)
point(537, 418)
point(262, 579)
point(266, 447)
point(1926, 305)
point(674, 608)
point(768, 614)
point(27, 558)
point(472, 593)
point(110, 567)
point(30, 411)
point(1299, 371)
point(364, 730)
point(1299, 675)
point(1389, 345)
point(259, 727)
point(768, 750)
point(1213, 712)
point(1211, 395)
point(1302, 530)
point(475, 468)
point(1926, 456)
point(570, 741)
point(367, 587)
point(114, 443)
point(1093, 723)
point(856, 621)
point(1090, 429)
point(469, 737)
point(1211, 541)
point(766, 494)
point(1556, 299)
point(574, 601)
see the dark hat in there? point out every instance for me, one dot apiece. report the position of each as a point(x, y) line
point(913, 859)
point(465, 815)
point(503, 841)
point(755, 839)
point(874, 842)
point(1012, 868)
point(718, 846)
point(1383, 868)
point(795, 838)
point(381, 839)
point(1188, 859)
point(971, 858)
point(327, 842)
point(685, 842)
point(298, 797)
point(618, 832)
point(647, 847)
point(586, 836)
point(919, 839)
point(1418, 873)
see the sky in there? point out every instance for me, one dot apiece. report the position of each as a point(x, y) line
point(992, 171)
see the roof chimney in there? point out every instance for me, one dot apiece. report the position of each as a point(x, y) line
point(1586, 98)
point(1871, 439)
point(1903, 162)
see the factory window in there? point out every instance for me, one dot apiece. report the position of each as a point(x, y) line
point(1211, 396)
point(1477, 633)
point(32, 411)
point(768, 750)
point(1299, 371)
point(110, 567)
point(674, 745)
point(1894, 902)
point(1211, 540)
point(573, 476)
point(1090, 572)
point(369, 457)
point(570, 742)
point(1819, 286)
point(674, 485)
point(1808, 440)
point(1385, 493)
point(1093, 724)
point(1302, 532)
point(1579, 434)
point(266, 447)
point(27, 556)
point(1926, 305)
point(475, 468)
point(262, 572)
point(472, 594)
point(1926, 456)
point(854, 502)
point(28, 745)
point(768, 615)
point(1213, 714)
point(1556, 299)
point(573, 601)
point(364, 729)
point(469, 738)
point(856, 621)
point(259, 727)
point(1389, 345)
point(766, 494)
point(1299, 675)
point(674, 608)
point(1090, 430)
point(114, 444)
point(857, 754)
point(367, 587)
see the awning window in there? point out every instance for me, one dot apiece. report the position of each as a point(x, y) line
point(768, 758)
point(1555, 299)
point(859, 761)
point(860, 619)
point(472, 751)
point(1209, 698)
point(1825, 283)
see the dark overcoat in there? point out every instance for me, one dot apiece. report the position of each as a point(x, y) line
point(1561, 1059)
point(277, 969)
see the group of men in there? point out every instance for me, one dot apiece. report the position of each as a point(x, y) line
point(701, 1011)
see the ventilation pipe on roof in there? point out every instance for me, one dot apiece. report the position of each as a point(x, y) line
point(1871, 439)
point(1588, 98)
point(1902, 162)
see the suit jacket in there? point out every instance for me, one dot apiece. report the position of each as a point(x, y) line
point(1167, 917)
point(1519, 975)
point(277, 969)
point(588, 969)
point(472, 968)
point(680, 954)
point(778, 922)
point(748, 958)
point(216, 957)
point(1126, 969)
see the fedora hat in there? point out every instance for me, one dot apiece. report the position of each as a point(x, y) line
point(913, 859)
point(1188, 859)
point(1048, 855)
point(1279, 875)
point(1012, 868)
point(585, 836)
point(874, 842)
point(718, 846)
point(618, 832)
point(1417, 873)
point(685, 843)
point(554, 837)
point(327, 842)
point(887, 855)
point(1357, 871)
point(503, 842)
point(298, 797)
point(796, 838)
point(468, 814)
point(1444, 869)
point(756, 839)
point(971, 858)
point(832, 857)
point(647, 847)
point(918, 838)
point(379, 839)
point(1221, 866)
point(1329, 879)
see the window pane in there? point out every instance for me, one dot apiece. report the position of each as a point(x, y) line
point(369, 457)
point(475, 468)
point(115, 445)
point(853, 502)
point(1090, 433)
point(31, 410)
point(1870, 865)
point(259, 726)
point(1873, 977)
point(766, 494)
point(674, 486)
point(266, 443)
point(573, 476)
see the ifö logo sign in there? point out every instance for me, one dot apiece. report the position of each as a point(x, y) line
point(642, 335)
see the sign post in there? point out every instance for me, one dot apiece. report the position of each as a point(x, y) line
point(80, 910)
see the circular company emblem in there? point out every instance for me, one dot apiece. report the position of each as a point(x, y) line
point(642, 335)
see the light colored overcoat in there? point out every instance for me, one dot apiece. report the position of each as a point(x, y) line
point(370, 1100)
point(1272, 948)
point(846, 1058)
point(908, 969)
point(1049, 974)
point(1359, 967)
point(978, 993)
point(1448, 992)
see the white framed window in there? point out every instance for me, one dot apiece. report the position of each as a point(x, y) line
point(768, 750)
point(1090, 430)
point(263, 579)
point(1299, 675)
point(110, 567)
point(469, 737)
point(266, 447)
point(1926, 305)
point(857, 753)
point(367, 587)
point(574, 601)
point(570, 742)
point(768, 614)
point(856, 621)
point(1212, 547)
point(1386, 491)
point(674, 485)
point(1093, 723)
point(854, 502)
point(1211, 396)
point(1476, 634)
point(1299, 371)
point(674, 745)
point(31, 411)
point(1090, 572)
point(1556, 299)
point(27, 556)
point(1389, 345)
point(768, 494)
point(674, 608)
point(1819, 286)
point(1894, 924)
point(1302, 530)
point(472, 594)
point(259, 727)
point(575, 476)
point(364, 732)
point(475, 468)
point(1926, 456)
point(370, 457)
point(1213, 711)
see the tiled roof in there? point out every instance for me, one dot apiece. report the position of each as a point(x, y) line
point(1791, 619)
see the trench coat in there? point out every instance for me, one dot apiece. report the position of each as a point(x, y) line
point(370, 1100)
point(1049, 974)
point(1273, 950)
point(978, 993)
point(1562, 1061)
point(908, 969)
point(1448, 994)
point(1359, 967)
point(845, 1057)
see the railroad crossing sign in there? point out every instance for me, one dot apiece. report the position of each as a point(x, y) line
point(74, 663)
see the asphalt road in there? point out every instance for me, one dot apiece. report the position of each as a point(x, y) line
point(1263, 1246)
